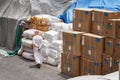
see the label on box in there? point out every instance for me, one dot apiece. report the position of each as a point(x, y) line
point(89, 52)
point(86, 12)
point(109, 26)
point(97, 40)
point(105, 14)
point(108, 43)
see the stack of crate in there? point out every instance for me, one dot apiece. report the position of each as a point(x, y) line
point(100, 43)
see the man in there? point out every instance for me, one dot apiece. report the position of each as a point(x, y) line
point(37, 42)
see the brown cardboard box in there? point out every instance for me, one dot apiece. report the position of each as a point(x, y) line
point(119, 67)
point(109, 46)
point(90, 67)
point(106, 64)
point(100, 17)
point(115, 63)
point(113, 28)
point(72, 42)
point(70, 64)
point(82, 19)
point(92, 46)
point(117, 47)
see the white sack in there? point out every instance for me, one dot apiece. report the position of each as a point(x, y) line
point(20, 51)
point(57, 45)
point(51, 35)
point(26, 49)
point(30, 33)
point(53, 54)
point(60, 27)
point(27, 43)
point(28, 55)
point(45, 44)
point(44, 52)
point(52, 61)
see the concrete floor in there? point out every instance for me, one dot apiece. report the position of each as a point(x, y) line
point(16, 68)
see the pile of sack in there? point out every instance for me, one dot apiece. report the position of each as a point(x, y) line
point(51, 48)
point(42, 22)
point(26, 49)
point(52, 43)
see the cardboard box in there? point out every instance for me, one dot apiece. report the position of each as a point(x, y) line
point(117, 47)
point(92, 46)
point(115, 64)
point(113, 28)
point(70, 64)
point(72, 42)
point(106, 64)
point(90, 67)
point(100, 18)
point(82, 19)
point(109, 46)
point(119, 68)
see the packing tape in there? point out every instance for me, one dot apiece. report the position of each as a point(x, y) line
point(98, 27)
point(110, 61)
point(69, 48)
point(83, 40)
point(79, 25)
point(89, 52)
point(68, 69)
point(93, 16)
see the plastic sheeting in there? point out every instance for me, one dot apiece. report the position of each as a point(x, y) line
point(51, 7)
point(7, 32)
point(100, 4)
point(11, 11)
point(15, 9)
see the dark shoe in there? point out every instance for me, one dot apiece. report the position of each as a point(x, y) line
point(35, 66)
point(39, 66)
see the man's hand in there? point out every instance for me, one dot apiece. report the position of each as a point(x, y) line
point(38, 48)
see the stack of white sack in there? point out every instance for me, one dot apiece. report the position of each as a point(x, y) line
point(51, 35)
point(52, 52)
point(60, 27)
point(26, 49)
point(57, 45)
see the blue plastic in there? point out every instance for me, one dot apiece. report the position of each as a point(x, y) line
point(113, 5)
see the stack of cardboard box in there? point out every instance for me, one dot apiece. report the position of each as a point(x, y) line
point(106, 23)
point(92, 51)
point(99, 44)
point(112, 46)
point(100, 21)
point(71, 56)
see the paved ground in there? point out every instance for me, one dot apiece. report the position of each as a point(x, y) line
point(16, 68)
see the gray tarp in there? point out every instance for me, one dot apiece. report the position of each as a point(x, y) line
point(11, 11)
